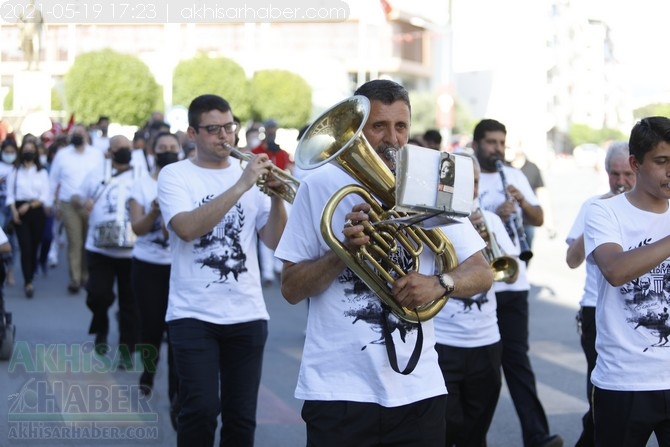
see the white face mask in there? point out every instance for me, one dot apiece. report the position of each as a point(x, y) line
point(8, 158)
point(43, 160)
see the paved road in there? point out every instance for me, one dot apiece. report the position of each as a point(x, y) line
point(55, 320)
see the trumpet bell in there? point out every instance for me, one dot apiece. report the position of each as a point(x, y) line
point(505, 269)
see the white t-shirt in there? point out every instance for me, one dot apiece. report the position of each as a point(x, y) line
point(632, 320)
point(473, 322)
point(150, 247)
point(69, 169)
point(344, 357)
point(214, 278)
point(590, 295)
point(111, 202)
point(491, 196)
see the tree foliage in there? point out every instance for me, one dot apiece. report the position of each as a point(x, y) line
point(658, 109)
point(218, 76)
point(281, 95)
point(109, 83)
point(581, 134)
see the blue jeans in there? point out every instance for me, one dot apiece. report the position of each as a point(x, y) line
point(219, 369)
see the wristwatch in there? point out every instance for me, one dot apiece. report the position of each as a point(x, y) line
point(447, 282)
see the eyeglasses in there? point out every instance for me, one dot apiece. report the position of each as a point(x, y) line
point(215, 129)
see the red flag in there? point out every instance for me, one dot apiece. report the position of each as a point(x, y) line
point(70, 123)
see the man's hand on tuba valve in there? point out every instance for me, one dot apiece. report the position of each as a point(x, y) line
point(354, 236)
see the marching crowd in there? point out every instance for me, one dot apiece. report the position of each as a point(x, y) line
point(178, 231)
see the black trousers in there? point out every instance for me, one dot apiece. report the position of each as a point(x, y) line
point(628, 418)
point(29, 235)
point(361, 424)
point(151, 286)
point(588, 341)
point(473, 380)
point(103, 271)
point(519, 375)
point(219, 368)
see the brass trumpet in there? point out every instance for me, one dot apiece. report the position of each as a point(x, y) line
point(289, 183)
point(505, 268)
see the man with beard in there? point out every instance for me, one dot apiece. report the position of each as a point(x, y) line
point(355, 393)
point(518, 199)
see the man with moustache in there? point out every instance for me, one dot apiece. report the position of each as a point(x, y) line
point(361, 388)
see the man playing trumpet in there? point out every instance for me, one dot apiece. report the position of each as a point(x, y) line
point(216, 313)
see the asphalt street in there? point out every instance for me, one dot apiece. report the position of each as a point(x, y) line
point(54, 376)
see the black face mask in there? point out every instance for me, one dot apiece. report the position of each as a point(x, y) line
point(77, 140)
point(121, 156)
point(28, 156)
point(165, 158)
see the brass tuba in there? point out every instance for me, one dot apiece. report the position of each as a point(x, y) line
point(337, 137)
point(505, 268)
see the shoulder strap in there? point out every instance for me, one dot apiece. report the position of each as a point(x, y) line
point(390, 346)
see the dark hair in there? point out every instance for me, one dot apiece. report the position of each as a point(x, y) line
point(203, 104)
point(155, 126)
point(433, 136)
point(9, 141)
point(487, 125)
point(160, 135)
point(385, 91)
point(35, 142)
point(647, 134)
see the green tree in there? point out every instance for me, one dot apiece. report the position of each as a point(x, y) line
point(581, 134)
point(8, 103)
point(109, 83)
point(218, 76)
point(281, 95)
point(424, 110)
point(658, 109)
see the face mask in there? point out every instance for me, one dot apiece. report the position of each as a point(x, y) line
point(165, 158)
point(253, 142)
point(121, 156)
point(9, 158)
point(77, 140)
point(28, 156)
point(43, 160)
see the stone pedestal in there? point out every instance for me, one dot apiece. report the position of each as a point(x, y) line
point(32, 91)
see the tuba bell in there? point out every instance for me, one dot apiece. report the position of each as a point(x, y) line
point(337, 137)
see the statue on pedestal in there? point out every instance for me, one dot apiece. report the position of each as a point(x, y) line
point(30, 25)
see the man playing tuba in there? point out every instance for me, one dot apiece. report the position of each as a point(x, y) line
point(352, 394)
